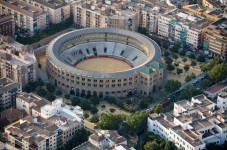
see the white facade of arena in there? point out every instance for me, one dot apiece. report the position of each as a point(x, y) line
point(140, 52)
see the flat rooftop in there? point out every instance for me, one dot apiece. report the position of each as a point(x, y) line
point(53, 4)
point(188, 19)
point(200, 124)
point(188, 135)
point(6, 85)
point(22, 7)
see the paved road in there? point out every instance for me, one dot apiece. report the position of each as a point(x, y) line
point(177, 95)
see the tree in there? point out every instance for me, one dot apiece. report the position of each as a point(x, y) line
point(58, 93)
point(169, 145)
point(95, 100)
point(192, 76)
point(175, 56)
point(152, 146)
point(85, 105)
point(157, 109)
point(94, 119)
point(179, 71)
point(184, 60)
point(79, 137)
point(111, 100)
point(150, 137)
point(218, 72)
point(172, 85)
point(176, 64)
point(41, 91)
point(201, 59)
point(182, 53)
point(170, 67)
point(187, 78)
point(86, 115)
point(193, 63)
point(192, 56)
point(31, 86)
point(142, 30)
point(50, 88)
point(186, 68)
point(168, 60)
point(205, 83)
point(40, 82)
point(213, 146)
point(109, 121)
point(51, 97)
point(93, 110)
point(189, 92)
point(75, 101)
point(143, 104)
point(137, 122)
point(67, 96)
point(208, 66)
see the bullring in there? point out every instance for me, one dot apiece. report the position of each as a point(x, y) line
point(104, 62)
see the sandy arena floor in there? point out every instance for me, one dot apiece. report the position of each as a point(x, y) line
point(103, 65)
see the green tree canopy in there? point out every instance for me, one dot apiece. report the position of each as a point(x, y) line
point(50, 88)
point(186, 68)
point(85, 105)
point(137, 122)
point(172, 85)
point(218, 72)
point(94, 110)
point(193, 63)
point(152, 146)
point(157, 109)
point(170, 67)
point(95, 100)
point(143, 104)
point(75, 101)
point(208, 66)
point(179, 71)
point(189, 92)
point(109, 121)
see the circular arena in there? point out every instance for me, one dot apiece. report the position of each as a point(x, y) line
point(104, 62)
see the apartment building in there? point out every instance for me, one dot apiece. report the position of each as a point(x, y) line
point(8, 92)
point(215, 41)
point(17, 62)
point(27, 17)
point(211, 4)
point(96, 14)
point(148, 13)
point(33, 133)
point(183, 27)
point(67, 118)
point(7, 25)
point(57, 10)
point(107, 139)
point(193, 124)
point(222, 101)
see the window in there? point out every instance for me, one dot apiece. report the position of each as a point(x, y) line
point(105, 49)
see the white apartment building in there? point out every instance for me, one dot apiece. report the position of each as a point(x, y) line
point(8, 92)
point(222, 101)
point(183, 27)
point(26, 16)
point(17, 62)
point(94, 14)
point(58, 10)
point(192, 125)
point(68, 118)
